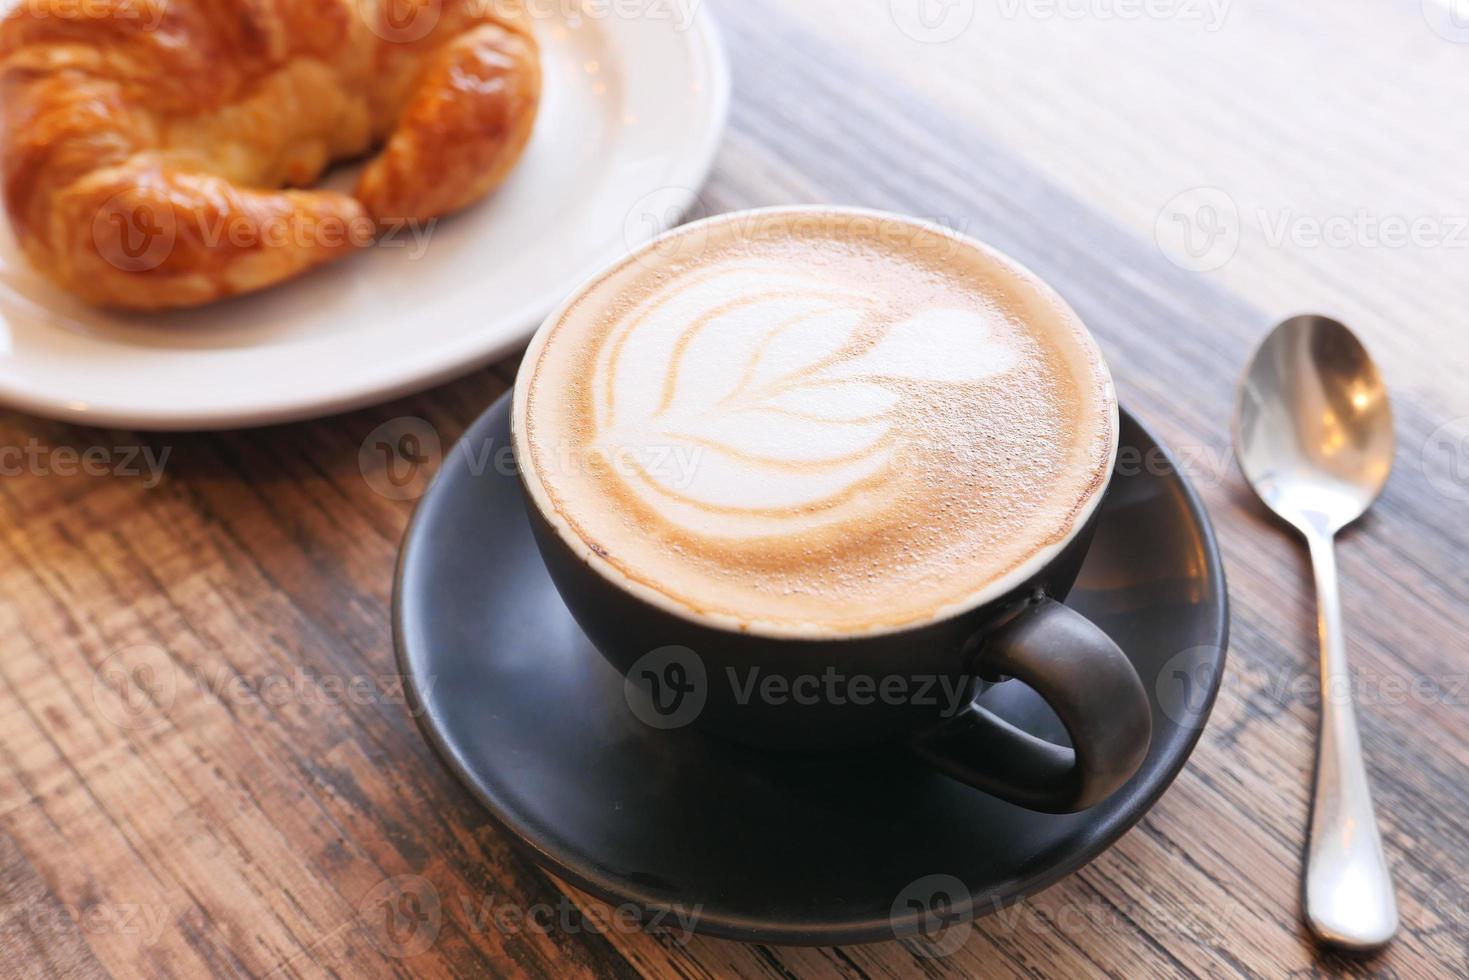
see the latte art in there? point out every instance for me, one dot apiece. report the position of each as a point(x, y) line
point(826, 429)
point(783, 389)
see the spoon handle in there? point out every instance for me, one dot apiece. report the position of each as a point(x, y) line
point(1348, 890)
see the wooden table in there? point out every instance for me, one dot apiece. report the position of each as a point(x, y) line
point(206, 766)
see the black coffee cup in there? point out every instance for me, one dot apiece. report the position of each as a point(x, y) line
point(914, 685)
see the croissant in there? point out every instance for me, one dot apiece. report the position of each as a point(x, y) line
point(148, 144)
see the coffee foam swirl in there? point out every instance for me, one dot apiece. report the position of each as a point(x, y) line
point(814, 431)
point(783, 389)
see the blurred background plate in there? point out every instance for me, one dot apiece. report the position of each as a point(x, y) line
point(633, 113)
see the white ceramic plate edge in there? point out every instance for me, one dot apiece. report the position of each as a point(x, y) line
point(690, 171)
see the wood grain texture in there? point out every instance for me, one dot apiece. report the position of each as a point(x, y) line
point(206, 767)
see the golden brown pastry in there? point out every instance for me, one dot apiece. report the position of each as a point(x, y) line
point(146, 141)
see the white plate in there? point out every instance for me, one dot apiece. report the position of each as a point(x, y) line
point(633, 112)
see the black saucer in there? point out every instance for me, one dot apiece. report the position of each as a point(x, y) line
point(767, 848)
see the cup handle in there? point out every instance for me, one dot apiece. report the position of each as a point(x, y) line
point(1088, 682)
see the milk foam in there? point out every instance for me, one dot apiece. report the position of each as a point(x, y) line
point(782, 386)
point(834, 429)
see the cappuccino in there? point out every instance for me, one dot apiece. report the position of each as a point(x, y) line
point(815, 422)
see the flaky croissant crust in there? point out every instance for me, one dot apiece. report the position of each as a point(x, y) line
point(146, 142)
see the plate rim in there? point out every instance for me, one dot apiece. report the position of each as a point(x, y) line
point(587, 877)
point(690, 169)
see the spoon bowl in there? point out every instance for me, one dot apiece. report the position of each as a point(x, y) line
point(1314, 430)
